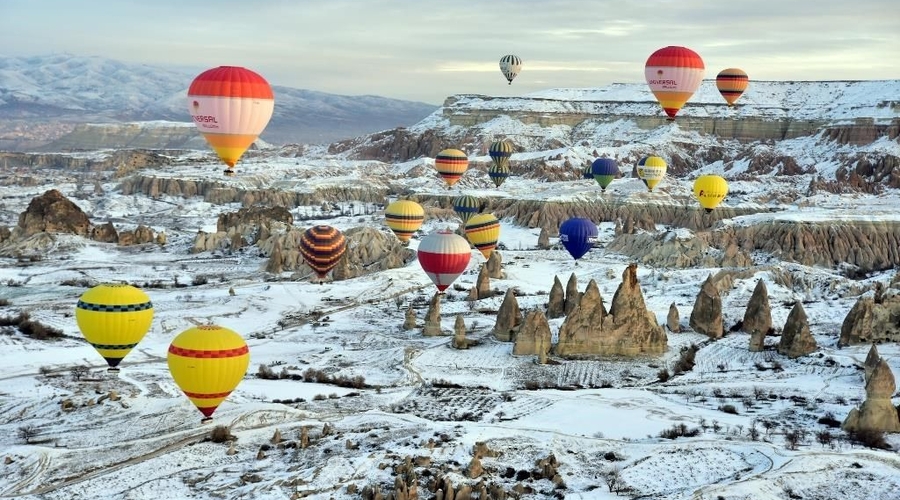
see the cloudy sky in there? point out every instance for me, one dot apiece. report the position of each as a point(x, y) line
point(426, 50)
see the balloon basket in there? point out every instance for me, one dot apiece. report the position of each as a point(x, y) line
point(206, 420)
point(114, 370)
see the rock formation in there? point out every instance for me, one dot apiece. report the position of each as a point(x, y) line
point(432, 326)
point(758, 316)
point(534, 337)
point(483, 284)
point(630, 328)
point(508, 318)
point(556, 305)
point(796, 339)
point(678, 249)
point(580, 332)
point(876, 413)
point(871, 362)
point(573, 296)
point(869, 321)
point(53, 213)
point(706, 316)
point(409, 321)
point(459, 334)
point(105, 233)
point(494, 266)
point(673, 320)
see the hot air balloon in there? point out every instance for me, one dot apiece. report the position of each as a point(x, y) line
point(651, 170)
point(604, 171)
point(732, 82)
point(404, 217)
point(444, 255)
point(578, 236)
point(230, 106)
point(499, 173)
point(673, 74)
point(207, 363)
point(114, 318)
point(466, 206)
point(483, 231)
point(510, 65)
point(451, 164)
point(322, 247)
point(710, 190)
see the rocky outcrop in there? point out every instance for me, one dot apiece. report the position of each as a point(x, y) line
point(53, 213)
point(872, 359)
point(876, 413)
point(573, 296)
point(676, 249)
point(758, 315)
point(370, 250)
point(494, 266)
point(253, 217)
point(432, 326)
point(869, 321)
point(534, 337)
point(581, 330)
point(105, 233)
point(556, 307)
point(459, 334)
point(509, 318)
point(796, 339)
point(706, 316)
point(673, 321)
point(409, 319)
point(543, 242)
point(483, 284)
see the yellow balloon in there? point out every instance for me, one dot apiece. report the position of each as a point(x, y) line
point(404, 217)
point(208, 362)
point(114, 318)
point(483, 231)
point(710, 190)
point(651, 170)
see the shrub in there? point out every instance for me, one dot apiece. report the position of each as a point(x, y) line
point(221, 434)
point(829, 420)
point(679, 430)
point(199, 280)
point(869, 439)
point(266, 373)
point(728, 409)
point(5, 302)
point(663, 375)
point(685, 361)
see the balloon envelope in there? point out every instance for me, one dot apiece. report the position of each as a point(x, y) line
point(404, 217)
point(510, 66)
point(114, 318)
point(322, 247)
point(732, 82)
point(483, 231)
point(651, 170)
point(604, 171)
point(578, 236)
point(466, 206)
point(451, 164)
point(444, 255)
point(230, 106)
point(207, 363)
point(673, 74)
point(500, 152)
point(499, 174)
point(710, 190)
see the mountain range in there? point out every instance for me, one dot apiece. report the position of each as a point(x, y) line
point(37, 92)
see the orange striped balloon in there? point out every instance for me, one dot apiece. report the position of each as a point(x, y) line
point(404, 217)
point(207, 363)
point(322, 247)
point(673, 74)
point(451, 164)
point(732, 82)
point(230, 106)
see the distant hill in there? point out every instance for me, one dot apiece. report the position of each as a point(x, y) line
point(42, 98)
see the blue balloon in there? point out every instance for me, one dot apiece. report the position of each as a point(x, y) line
point(605, 166)
point(578, 236)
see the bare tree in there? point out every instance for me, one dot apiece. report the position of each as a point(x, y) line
point(27, 433)
point(79, 371)
point(613, 478)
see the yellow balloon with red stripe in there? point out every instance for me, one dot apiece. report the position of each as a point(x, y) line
point(483, 231)
point(208, 362)
point(230, 106)
point(113, 318)
point(451, 164)
point(404, 217)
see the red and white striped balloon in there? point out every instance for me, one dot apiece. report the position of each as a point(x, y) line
point(444, 255)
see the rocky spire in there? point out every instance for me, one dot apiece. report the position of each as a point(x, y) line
point(572, 294)
point(758, 316)
point(630, 328)
point(534, 336)
point(508, 317)
point(459, 334)
point(556, 307)
point(483, 283)
point(409, 321)
point(673, 321)
point(432, 326)
point(706, 317)
point(876, 413)
point(543, 242)
point(869, 321)
point(580, 332)
point(796, 339)
point(494, 266)
point(871, 362)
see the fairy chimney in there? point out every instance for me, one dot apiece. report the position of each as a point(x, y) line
point(432, 326)
point(494, 266)
point(673, 320)
point(483, 284)
point(534, 336)
point(572, 294)
point(409, 321)
point(871, 362)
point(580, 332)
point(758, 316)
point(556, 307)
point(508, 318)
point(543, 242)
point(706, 316)
point(876, 413)
point(796, 339)
point(459, 334)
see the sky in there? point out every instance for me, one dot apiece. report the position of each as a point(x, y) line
point(430, 49)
